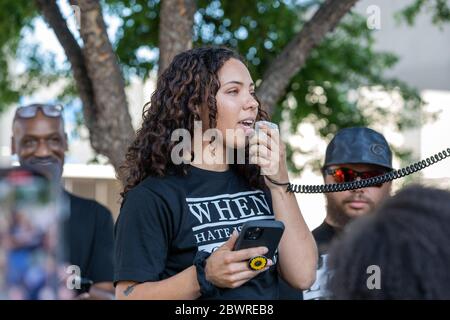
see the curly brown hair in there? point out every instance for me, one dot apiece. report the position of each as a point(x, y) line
point(188, 83)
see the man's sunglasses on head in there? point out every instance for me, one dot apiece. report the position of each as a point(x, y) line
point(49, 110)
point(342, 174)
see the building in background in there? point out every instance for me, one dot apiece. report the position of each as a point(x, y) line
point(424, 63)
point(80, 176)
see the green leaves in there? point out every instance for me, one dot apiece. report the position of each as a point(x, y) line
point(439, 9)
point(326, 92)
point(138, 31)
point(14, 16)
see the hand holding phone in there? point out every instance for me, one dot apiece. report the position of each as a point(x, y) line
point(262, 233)
point(226, 268)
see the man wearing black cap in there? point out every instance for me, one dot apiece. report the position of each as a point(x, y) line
point(353, 154)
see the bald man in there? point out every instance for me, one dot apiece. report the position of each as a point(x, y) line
point(40, 142)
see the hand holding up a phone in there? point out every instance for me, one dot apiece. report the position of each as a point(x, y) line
point(226, 268)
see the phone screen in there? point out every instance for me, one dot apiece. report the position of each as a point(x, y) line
point(32, 250)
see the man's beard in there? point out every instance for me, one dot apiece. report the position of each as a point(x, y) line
point(336, 210)
point(50, 167)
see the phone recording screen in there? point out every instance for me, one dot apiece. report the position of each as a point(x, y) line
point(32, 257)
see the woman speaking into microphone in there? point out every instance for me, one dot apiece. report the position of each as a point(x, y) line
point(185, 200)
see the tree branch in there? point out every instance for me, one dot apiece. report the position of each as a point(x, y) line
point(57, 23)
point(113, 130)
point(293, 57)
point(175, 29)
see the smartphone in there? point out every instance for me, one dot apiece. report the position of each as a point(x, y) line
point(31, 251)
point(261, 233)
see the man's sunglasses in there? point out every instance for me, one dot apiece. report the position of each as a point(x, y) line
point(49, 110)
point(342, 175)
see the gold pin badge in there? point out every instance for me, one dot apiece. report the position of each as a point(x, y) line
point(257, 263)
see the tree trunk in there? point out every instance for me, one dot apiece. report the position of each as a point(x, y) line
point(293, 57)
point(98, 78)
point(57, 23)
point(112, 119)
point(175, 29)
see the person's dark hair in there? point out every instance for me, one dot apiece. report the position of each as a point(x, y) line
point(188, 83)
point(408, 239)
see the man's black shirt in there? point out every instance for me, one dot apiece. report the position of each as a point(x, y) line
point(324, 235)
point(90, 239)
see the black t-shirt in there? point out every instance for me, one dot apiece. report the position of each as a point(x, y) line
point(164, 221)
point(91, 239)
point(324, 235)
